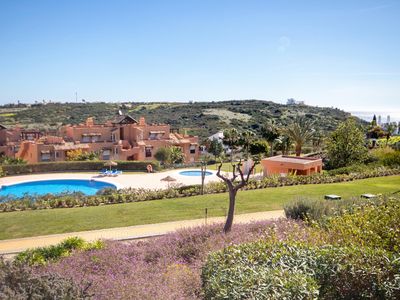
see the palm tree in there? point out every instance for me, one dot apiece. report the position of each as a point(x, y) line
point(176, 155)
point(390, 128)
point(285, 143)
point(317, 140)
point(300, 131)
point(231, 139)
point(270, 133)
point(245, 140)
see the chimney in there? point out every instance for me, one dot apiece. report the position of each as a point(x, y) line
point(142, 121)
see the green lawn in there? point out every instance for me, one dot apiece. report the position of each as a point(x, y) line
point(42, 222)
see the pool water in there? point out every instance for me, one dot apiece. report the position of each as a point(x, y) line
point(194, 173)
point(43, 187)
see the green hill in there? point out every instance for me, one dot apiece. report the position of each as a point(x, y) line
point(199, 118)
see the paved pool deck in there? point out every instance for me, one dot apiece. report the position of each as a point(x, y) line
point(13, 246)
point(126, 180)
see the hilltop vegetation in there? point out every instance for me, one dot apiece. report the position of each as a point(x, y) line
point(199, 118)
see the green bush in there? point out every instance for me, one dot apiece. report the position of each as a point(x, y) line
point(43, 255)
point(357, 168)
point(308, 209)
point(392, 159)
point(374, 224)
point(387, 156)
point(265, 270)
point(76, 166)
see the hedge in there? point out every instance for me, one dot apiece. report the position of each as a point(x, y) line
point(360, 261)
point(76, 166)
point(265, 270)
point(110, 196)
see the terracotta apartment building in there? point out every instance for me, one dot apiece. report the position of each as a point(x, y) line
point(121, 139)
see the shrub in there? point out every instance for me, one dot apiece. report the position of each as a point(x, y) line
point(19, 281)
point(392, 159)
point(307, 209)
point(43, 255)
point(357, 168)
point(299, 271)
point(79, 155)
point(387, 156)
point(167, 267)
point(76, 166)
point(5, 160)
point(374, 224)
point(346, 145)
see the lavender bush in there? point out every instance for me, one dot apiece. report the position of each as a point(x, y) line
point(18, 281)
point(168, 267)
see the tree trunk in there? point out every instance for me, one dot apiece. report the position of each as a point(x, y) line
point(298, 150)
point(203, 175)
point(272, 148)
point(231, 210)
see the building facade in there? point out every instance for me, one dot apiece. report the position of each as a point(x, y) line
point(284, 165)
point(121, 139)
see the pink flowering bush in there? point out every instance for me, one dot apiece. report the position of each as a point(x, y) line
point(168, 267)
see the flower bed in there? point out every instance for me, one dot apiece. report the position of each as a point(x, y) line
point(136, 195)
point(282, 259)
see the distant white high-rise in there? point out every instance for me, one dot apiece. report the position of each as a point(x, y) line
point(388, 119)
point(379, 120)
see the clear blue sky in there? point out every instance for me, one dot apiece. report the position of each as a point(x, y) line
point(329, 53)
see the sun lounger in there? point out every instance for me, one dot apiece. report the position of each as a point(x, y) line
point(115, 173)
point(332, 197)
point(103, 172)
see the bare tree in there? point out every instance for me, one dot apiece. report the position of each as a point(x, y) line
point(204, 160)
point(238, 179)
point(234, 186)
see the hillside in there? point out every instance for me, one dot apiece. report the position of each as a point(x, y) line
point(199, 118)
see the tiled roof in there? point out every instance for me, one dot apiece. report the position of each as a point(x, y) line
point(126, 119)
point(293, 159)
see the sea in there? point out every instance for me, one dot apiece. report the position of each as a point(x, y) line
point(368, 115)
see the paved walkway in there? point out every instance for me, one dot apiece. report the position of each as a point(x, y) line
point(126, 233)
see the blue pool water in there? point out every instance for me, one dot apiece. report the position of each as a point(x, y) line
point(87, 187)
point(194, 173)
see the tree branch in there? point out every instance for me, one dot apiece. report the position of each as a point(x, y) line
point(221, 176)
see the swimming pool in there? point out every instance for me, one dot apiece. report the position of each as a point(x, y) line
point(194, 173)
point(57, 186)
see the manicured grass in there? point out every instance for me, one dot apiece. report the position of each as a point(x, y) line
point(42, 222)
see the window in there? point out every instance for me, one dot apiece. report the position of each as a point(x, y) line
point(45, 157)
point(192, 149)
point(156, 135)
point(57, 154)
point(85, 139)
point(148, 151)
point(106, 154)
